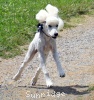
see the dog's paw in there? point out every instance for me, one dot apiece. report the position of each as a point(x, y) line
point(61, 74)
point(16, 77)
point(33, 81)
point(49, 83)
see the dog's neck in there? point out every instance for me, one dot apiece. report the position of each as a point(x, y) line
point(42, 31)
point(45, 36)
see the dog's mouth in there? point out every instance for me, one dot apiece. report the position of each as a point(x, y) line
point(54, 37)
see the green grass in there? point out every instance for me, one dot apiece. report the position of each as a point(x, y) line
point(18, 24)
point(91, 88)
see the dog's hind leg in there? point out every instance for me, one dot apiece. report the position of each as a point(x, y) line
point(35, 78)
point(30, 54)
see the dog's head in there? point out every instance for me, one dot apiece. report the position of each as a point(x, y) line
point(49, 21)
point(51, 26)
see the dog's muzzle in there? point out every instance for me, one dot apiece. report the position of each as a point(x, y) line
point(55, 35)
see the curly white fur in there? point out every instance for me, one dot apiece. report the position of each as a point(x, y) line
point(41, 15)
point(50, 11)
point(53, 11)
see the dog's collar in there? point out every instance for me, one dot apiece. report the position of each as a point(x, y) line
point(46, 34)
point(40, 29)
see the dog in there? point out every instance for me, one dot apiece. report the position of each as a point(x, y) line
point(43, 42)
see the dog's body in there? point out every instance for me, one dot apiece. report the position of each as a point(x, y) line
point(43, 42)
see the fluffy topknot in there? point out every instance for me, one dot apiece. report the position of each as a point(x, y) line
point(52, 10)
point(41, 15)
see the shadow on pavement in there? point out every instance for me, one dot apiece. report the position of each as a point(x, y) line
point(75, 89)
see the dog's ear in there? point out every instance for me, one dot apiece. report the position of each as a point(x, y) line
point(40, 27)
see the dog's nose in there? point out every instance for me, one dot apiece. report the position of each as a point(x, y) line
point(56, 34)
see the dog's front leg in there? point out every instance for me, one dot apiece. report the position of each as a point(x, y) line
point(43, 66)
point(30, 54)
point(59, 67)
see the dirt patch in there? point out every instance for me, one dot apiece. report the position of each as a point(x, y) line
point(76, 52)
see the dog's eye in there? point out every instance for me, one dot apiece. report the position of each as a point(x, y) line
point(49, 26)
point(56, 25)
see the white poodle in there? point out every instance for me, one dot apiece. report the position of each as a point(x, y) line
point(43, 42)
